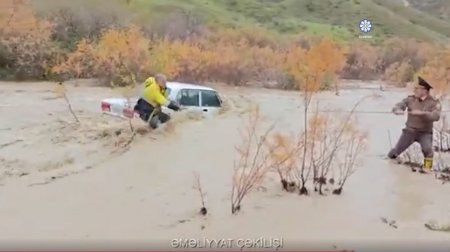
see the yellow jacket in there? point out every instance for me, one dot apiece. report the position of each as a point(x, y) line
point(153, 93)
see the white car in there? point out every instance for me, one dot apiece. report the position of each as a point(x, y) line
point(191, 97)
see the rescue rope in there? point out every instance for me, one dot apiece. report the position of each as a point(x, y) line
point(364, 112)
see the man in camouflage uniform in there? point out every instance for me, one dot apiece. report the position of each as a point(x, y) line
point(423, 111)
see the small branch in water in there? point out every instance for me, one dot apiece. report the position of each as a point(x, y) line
point(10, 143)
point(62, 91)
point(198, 187)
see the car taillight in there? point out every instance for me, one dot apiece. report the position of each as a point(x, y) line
point(128, 112)
point(106, 106)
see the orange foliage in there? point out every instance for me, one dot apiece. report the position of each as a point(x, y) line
point(437, 72)
point(116, 57)
point(332, 150)
point(17, 19)
point(191, 60)
point(284, 151)
point(399, 73)
point(25, 37)
point(403, 50)
point(311, 68)
point(242, 56)
point(361, 62)
point(120, 52)
point(78, 63)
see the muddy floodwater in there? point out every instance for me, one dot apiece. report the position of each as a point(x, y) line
point(63, 185)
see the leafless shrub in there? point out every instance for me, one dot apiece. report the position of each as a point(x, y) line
point(252, 162)
point(284, 151)
point(198, 187)
point(355, 141)
point(441, 136)
point(61, 91)
point(335, 139)
point(412, 157)
point(334, 146)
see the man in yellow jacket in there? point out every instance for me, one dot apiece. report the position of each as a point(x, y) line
point(153, 98)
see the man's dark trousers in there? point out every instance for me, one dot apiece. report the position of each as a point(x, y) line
point(145, 109)
point(408, 137)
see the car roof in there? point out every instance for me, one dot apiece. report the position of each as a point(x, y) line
point(180, 85)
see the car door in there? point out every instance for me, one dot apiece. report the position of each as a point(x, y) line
point(210, 101)
point(189, 99)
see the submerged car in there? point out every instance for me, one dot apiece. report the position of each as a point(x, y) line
point(195, 98)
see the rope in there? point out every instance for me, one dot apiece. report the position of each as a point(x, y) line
point(364, 112)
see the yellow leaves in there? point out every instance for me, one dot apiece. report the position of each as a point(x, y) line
point(437, 73)
point(283, 149)
point(17, 19)
point(310, 67)
point(79, 62)
point(118, 56)
point(399, 73)
point(164, 57)
point(26, 38)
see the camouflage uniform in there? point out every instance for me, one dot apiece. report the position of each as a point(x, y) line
point(419, 128)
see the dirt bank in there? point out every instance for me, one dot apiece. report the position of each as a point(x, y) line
point(66, 184)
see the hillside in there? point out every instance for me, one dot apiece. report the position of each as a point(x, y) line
point(437, 8)
point(427, 20)
point(339, 18)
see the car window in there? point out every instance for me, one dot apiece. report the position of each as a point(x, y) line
point(168, 91)
point(189, 97)
point(210, 99)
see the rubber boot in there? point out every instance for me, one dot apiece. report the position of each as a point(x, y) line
point(154, 122)
point(427, 163)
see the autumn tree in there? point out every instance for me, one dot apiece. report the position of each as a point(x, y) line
point(437, 72)
point(361, 60)
point(119, 55)
point(399, 73)
point(26, 39)
point(310, 68)
point(79, 63)
point(401, 52)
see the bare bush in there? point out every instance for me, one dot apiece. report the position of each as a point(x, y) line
point(198, 187)
point(441, 135)
point(412, 157)
point(252, 162)
point(354, 144)
point(334, 146)
point(61, 91)
point(284, 150)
